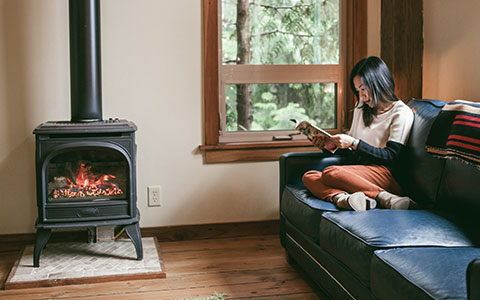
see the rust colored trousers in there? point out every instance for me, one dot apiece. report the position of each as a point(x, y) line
point(334, 180)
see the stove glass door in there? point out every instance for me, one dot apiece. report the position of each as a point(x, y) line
point(87, 174)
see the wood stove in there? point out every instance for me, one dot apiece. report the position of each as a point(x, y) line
point(86, 167)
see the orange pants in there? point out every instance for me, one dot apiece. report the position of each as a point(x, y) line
point(334, 180)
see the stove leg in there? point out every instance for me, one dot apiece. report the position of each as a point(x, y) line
point(133, 232)
point(41, 240)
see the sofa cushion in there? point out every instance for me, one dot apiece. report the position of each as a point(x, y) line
point(352, 237)
point(421, 273)
point(303, 210)
point(418, 172)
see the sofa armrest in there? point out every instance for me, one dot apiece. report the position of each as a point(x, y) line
point(294, 165)
point(473, 280)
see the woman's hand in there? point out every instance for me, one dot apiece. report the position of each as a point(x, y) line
point(343, 141)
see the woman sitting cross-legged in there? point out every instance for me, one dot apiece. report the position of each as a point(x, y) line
point(379, 131)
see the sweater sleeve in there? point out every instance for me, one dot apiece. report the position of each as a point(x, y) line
point(401, 125)
point(369, 154)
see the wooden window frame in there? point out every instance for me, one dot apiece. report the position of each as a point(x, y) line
point(214, 151)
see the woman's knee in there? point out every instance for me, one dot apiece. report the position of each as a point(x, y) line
point(311, 177)
point(331, 172)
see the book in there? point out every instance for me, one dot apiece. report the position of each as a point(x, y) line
point(311, 131)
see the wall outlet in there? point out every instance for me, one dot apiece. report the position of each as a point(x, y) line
point(154, 195)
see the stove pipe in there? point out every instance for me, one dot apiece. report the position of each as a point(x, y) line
point(85, 61)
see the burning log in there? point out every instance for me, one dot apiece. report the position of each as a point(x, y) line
point(57, 183)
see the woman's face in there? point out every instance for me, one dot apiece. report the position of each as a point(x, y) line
point(363, 91)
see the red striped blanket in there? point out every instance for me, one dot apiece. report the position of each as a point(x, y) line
point(455, 133)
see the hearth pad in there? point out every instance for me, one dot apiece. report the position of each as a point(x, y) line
point(77, 263)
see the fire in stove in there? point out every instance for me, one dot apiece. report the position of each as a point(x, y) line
point(84, 183)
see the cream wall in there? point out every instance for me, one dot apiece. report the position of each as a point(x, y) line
point(151, 59)
point(451, 63)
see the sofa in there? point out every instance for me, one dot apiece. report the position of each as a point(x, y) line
point(431, 252)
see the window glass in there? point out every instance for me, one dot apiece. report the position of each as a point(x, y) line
point(280, 32)
point(273, 105)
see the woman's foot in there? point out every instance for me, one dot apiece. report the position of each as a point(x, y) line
point(392, 201)
point(356, 201)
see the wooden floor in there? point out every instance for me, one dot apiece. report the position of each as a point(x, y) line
point(243, 267)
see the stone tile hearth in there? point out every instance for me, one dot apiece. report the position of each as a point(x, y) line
point(67, 263)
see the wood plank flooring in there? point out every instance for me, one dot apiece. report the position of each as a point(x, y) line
point(252, 267)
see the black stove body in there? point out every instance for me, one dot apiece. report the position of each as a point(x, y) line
point(86, 177)
point(86, 167)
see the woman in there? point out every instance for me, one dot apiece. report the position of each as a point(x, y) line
point(380, 128)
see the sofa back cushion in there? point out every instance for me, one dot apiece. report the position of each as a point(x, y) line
point(418, 172)
point(460, 188)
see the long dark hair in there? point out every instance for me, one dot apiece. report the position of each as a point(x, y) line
point(375, 74)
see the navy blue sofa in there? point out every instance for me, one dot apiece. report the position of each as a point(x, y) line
point(432, 252)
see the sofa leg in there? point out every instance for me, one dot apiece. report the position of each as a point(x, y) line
point(290, 258)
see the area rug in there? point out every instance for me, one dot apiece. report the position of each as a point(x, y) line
point(215, 296)
point(76, 263)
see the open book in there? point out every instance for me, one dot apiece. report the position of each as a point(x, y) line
point(312, 131)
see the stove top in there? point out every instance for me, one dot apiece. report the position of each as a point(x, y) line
point(104, 126)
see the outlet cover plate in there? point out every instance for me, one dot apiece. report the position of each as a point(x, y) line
point(154, 195)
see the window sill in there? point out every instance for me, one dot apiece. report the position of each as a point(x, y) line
point(224, 153)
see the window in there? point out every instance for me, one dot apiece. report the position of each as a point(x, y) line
point(267, 61)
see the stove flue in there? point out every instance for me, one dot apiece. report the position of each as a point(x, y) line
point(85, 61)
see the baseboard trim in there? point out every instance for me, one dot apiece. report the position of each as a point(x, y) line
point(210, 231)
point(14, 242)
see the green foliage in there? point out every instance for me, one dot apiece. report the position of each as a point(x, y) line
point(283, 115)
point(271, 113)
point(285, 32)
point(231, 109)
